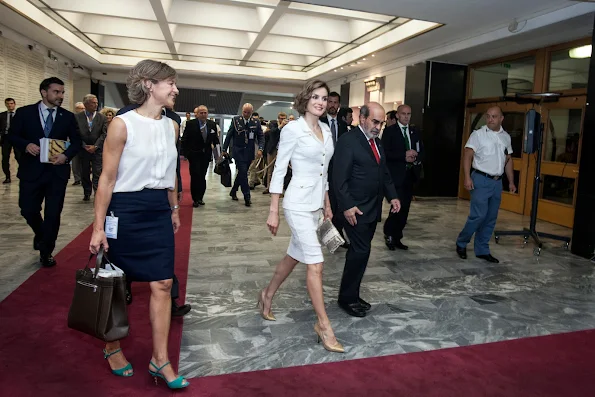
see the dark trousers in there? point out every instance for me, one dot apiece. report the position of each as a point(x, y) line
point(395, 223)
point(6, 149)
point(32, 194)
point(356, 260)
point(338, 218)
point(75, 163)
point(198, 173)
point(242, 179)
point(90, 162)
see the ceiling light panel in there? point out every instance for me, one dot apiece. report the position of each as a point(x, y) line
point(133, 9)
point(213, 15)
point(210, 51)
point(337, 12)
point(211, 36)
point(298, 45)
point(289, 59)
point(129, 43)
point(114, 26)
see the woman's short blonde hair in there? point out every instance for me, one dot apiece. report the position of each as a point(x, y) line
point(147, 70)
point(301, 99)
point(105, 111)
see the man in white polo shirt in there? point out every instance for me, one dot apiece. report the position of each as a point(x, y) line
point(489, 150)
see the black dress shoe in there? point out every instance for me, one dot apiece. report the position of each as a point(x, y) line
point(36, 243)
point(266, 192)
point(462, 252)
point(200, 202)
point(488, 258)
point(401, 246)
point(390, 242)
point(247, 203)
point(47, 260)
point(353, 309)
point(195, 204)
point(87, 197)
point(234, 196)
point(6, 181)
point(365, 305)
point(179, 311)
point(76, 183)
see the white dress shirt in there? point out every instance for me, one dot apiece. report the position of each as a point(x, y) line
point(491, 148)
point(43, 113)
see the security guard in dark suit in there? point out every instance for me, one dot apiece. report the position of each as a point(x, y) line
point(242, 135)
point(39, 181)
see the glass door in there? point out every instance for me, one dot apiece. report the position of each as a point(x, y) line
point(563, 122)
point(514, 124)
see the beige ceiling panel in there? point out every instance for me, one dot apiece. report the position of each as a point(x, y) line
point(115, 26)
point(210, 36)
point(297, 25)
point(138, 9)
point(275, 57)
point(126, 43)
point(294, 45)
point(214, 15)
point(210, 51)
point(215, 61)
point(142, 54)
point(360, 28)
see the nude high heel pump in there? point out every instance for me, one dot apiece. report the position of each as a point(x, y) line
point(336, 348)
point(260, 305)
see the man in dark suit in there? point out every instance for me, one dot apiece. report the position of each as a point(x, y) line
point(404, 153)
point(360, 180)
point(44, 181)
point(338, 128)
point(93, 129)
point(243, 132)
point(199, 135)
point(5, 121)
point(176, 310)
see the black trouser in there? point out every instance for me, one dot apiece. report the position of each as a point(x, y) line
point(90, 162)
point(242, 178)
point(31, 195)
point(198, 173)
point(395, 223)
point(175, 288)
point(6, 149)
point(356, 260)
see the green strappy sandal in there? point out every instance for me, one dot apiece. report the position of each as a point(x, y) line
point(121, 371)
point(178, 383)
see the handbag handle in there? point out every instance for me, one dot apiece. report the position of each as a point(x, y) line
point(98, 262)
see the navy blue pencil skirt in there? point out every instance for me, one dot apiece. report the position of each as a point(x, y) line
point(144, 247)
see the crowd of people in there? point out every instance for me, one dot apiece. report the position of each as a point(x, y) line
point(339, 172)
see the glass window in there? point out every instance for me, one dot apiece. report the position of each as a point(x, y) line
point(502, 79)
point(569, 68)
point(557, 188)
point(563, 135)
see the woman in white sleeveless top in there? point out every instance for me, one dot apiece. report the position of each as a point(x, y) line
point(138, 187)
point(307, 144)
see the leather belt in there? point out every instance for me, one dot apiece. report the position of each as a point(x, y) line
point(496, 178)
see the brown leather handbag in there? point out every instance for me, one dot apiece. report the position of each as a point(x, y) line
point(99, 304)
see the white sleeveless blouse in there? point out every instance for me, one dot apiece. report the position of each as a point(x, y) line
point(149, 157)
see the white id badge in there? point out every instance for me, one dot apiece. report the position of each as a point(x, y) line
point(251, 135)
point(111, 226)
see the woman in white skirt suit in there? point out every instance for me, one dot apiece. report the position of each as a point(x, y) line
point(307, 144)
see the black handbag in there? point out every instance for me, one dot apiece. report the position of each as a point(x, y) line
point(99, 304)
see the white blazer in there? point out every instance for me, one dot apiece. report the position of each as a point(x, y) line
point(309, 160)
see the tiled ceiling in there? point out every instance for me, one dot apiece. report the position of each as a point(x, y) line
point(262, 34)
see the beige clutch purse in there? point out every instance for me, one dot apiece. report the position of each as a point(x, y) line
point(328, 235)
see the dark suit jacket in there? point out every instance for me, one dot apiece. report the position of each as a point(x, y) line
point(98, 131)
point(341, 126)
point(171, 115)
point(194, 146)
point(394, 147)
point(274, 135)
point(26, 128)
point(236, 135)
point(358, 180)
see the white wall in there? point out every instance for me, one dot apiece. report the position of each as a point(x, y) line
point(82, 87)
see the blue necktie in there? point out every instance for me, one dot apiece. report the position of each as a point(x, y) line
point(49, 123)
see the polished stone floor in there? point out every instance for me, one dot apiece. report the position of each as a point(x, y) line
point(423, 299)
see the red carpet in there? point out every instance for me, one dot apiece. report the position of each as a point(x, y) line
point(559, 365)
point(41, 357)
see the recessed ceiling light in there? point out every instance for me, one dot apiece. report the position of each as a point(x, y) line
point(363, 59)
point(335, 70)
point(341, 67)
point(373, 55)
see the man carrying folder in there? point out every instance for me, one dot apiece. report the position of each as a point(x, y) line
point(39, 181)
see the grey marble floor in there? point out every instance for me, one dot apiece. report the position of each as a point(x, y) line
point(423, 299)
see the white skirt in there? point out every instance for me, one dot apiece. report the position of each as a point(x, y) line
point(304, 245)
